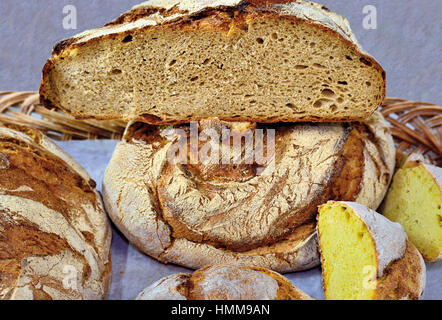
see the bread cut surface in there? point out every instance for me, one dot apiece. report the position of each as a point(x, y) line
point(415, 201)
point(172, 62)
point(196, 215)
point(54, 234)
point(365, 256)
point(224, 282)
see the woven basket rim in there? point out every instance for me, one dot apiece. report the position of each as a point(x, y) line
point(415, 125)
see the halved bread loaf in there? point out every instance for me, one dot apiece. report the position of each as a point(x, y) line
point(365, 256)
point(197, 214)
point(224, 282)
point(54, 234)
point(415, 201)
point(169, 61)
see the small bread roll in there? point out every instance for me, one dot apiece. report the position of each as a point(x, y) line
point(196, 215)
point(415, 201)
point(365, 256)
point(54, 234)
point(224, 282)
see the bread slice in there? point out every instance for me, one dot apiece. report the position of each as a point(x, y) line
point(224, 282)
point(415, 201)
point(365, 256)
point(173, 61)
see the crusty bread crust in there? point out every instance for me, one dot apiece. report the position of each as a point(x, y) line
point(400, 269)
point(181, 215)
point(435, 173)
point(215, 16)
point(54, 234)
point(224, 282)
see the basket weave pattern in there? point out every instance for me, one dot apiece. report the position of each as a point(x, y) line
point(23, 108)
point(416, 126)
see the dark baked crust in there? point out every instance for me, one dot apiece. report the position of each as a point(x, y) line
point(402, 278)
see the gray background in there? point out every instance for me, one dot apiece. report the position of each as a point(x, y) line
point(407, 43)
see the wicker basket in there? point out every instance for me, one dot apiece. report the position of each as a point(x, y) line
point(416, 126)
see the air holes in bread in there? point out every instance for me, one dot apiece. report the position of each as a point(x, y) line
point(127, 39)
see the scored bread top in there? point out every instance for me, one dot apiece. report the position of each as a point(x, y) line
point(401, 271)
point(73, 85)
point(232, 213)
point(224, 282)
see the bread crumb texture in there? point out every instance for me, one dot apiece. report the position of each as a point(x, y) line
point(54, 233)
point(415, 201)
point(172, 62)
point(224, 282)
point(365, 256)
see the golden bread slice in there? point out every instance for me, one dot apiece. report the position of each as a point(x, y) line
point(415, 201)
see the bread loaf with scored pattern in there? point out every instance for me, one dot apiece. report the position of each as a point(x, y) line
point(54, 234)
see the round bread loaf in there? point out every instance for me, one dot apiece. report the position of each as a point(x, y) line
point(365, 256)
point(197, 215)
point(54, 234)
point(224, 282)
